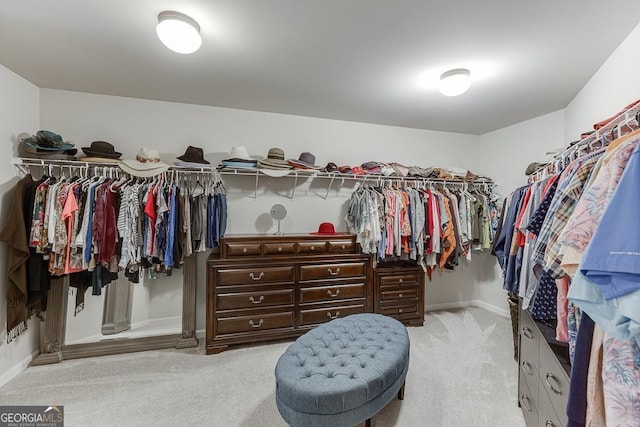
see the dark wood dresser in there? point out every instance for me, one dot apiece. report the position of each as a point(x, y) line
point(263, 287)
point(399, 291)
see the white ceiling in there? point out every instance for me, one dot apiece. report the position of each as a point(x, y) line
point(357, 60)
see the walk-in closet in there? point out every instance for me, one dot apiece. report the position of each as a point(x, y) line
point(319, 213)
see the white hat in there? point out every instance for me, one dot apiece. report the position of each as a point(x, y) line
point(146, 164)
point(240, 153)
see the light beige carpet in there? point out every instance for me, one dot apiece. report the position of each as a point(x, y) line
point(461, 374)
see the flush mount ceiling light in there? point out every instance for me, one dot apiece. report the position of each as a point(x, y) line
point(178, 32)
point(455, 82)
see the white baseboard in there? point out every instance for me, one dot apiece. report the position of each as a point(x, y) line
point(13, 371)
point(448, 305)
point(473, 303)
point(497, 310)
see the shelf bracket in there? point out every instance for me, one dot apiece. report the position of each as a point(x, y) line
point(255, 191)
point(295, 184)
point(329, 187)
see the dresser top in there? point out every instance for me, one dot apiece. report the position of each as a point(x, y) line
point(291, 236)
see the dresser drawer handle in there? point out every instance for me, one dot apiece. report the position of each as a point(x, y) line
point(333, 317)
point(399, 310)
point(256, 302)
point(313, 248)
point(525, 402)
point(401, 280)
point(257, 278)
point(331, 272)
point(549, 423)
point(333, 295)
point(527, 332)
point(344, 247)
point(253, 325)
point(550, 376)
point(526, 367)
point(244, 250)
point(400, 295)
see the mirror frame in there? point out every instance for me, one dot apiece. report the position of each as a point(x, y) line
point(54, 350)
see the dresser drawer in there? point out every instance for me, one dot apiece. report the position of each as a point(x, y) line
point(331, 293)
point(321, 315)
point(529, 373)
point(312, 247)
point(400, 308)
point(553, 379)
point(399, 279)
point(279, 248)
point(398, 292)
point(332, 271)
point(242, 249)
point(233, 325)
point(529, 339)
point(337, 246)
point(528, 403)
point(237, 300)
point(254, 276)
point(546, 413)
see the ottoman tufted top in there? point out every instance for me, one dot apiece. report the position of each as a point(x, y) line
point(342, 364)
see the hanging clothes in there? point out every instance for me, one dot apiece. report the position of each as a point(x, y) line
point(583, 247)
point(428, 226)
point(93, 228)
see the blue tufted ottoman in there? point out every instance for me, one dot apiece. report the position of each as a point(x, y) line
point(343, 372)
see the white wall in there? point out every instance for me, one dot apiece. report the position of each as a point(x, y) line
point(504, 155)
point(18, 113)
point(170, 127)
point(613, 86)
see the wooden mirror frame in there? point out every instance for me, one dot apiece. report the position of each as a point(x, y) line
point(54, 350)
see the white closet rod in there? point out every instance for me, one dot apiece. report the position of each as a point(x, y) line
point(24, 164)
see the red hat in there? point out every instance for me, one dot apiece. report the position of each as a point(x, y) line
point(326, 229)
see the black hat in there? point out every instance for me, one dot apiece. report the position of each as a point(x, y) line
point(101, 149)
point(193, 155)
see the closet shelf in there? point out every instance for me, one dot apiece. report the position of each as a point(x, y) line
point(598, 138)
point(24, 163)
point(365, 179)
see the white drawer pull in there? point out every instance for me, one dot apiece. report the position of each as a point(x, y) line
point(331, 272)
point(344, 247)
point(401, 280)
point(549, 423)
point(527, 332)
point(333, 317)
point(526, 367)
point(400, 295)
point(279, 248)
point(333, 295)
point(256, 302)
point(313, 248)
point(244, 250)
point(253, 325)
point(257, 278)
point(399, 310)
